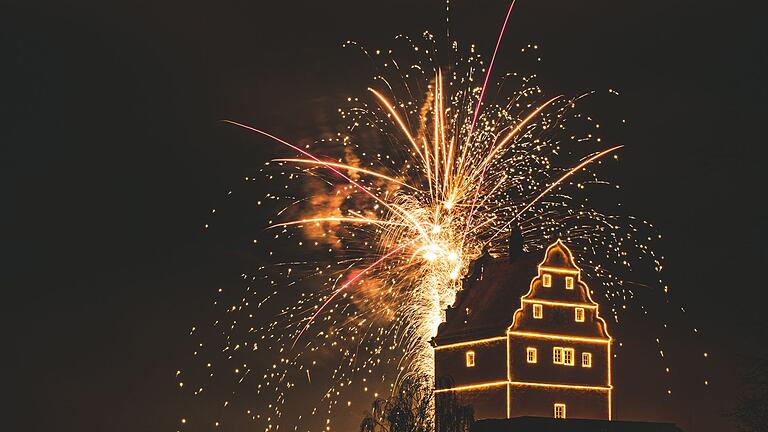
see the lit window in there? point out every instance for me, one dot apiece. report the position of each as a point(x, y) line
point(568, 356)
point(470, 358)
point(559, 411)
point(579, 314)
point(531, 355)
point(538, 311)
point(547, 279)
point(569, 282)
point(586, 359)
point(557, 355)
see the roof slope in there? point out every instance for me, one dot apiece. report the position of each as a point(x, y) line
point(491, 294)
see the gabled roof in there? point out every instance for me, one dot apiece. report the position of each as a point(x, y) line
point(557, 259)
point(558, 255)
point(491, 293)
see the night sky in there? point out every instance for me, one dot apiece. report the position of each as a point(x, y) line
point(113, 157)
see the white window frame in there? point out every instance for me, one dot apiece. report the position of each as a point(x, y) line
point(557, 355)
point(579, 314)
point(560, 411)
point(470, 358)
point(538, 311)
point(569, 283)
point(586, 359)
point(531, 354)
point(546, 280)
point(568, 356)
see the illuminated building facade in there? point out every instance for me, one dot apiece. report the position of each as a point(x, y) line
point(510, 353)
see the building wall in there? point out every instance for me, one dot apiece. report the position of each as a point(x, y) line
point(490, 364)
point(560, 319)
point(546, 371)
point(540, 402)
point(559, 291)
point(488, 402)
point(490, 368)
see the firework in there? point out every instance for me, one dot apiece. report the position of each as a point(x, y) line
point(429, 173)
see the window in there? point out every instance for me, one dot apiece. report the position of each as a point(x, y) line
point(568, 356)
point(563, 356)
point(579, 314)
point(586, 359)
point(559, 411)
point(557, 355)
point(569, 282)
point(531, 355)
point(470, 358)
point(547, 279)
point(538, 311)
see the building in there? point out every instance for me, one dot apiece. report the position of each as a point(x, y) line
point(511, 353)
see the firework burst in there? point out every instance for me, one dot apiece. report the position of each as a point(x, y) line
point(429, 173)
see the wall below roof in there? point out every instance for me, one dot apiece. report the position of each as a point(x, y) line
point(540, 401)
point(490, 364)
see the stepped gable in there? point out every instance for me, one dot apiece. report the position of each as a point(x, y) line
point(558, 263)
point(482, 307)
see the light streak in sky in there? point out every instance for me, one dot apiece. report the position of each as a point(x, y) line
point(375, 227)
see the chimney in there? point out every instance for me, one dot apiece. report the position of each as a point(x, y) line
point(515, 245)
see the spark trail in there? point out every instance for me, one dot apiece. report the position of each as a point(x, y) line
point(388, 216)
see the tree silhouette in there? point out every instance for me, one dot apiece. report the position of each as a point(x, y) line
point(450, 415)
point(412, 408)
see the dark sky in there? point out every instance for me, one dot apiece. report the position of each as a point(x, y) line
point(113, 157)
